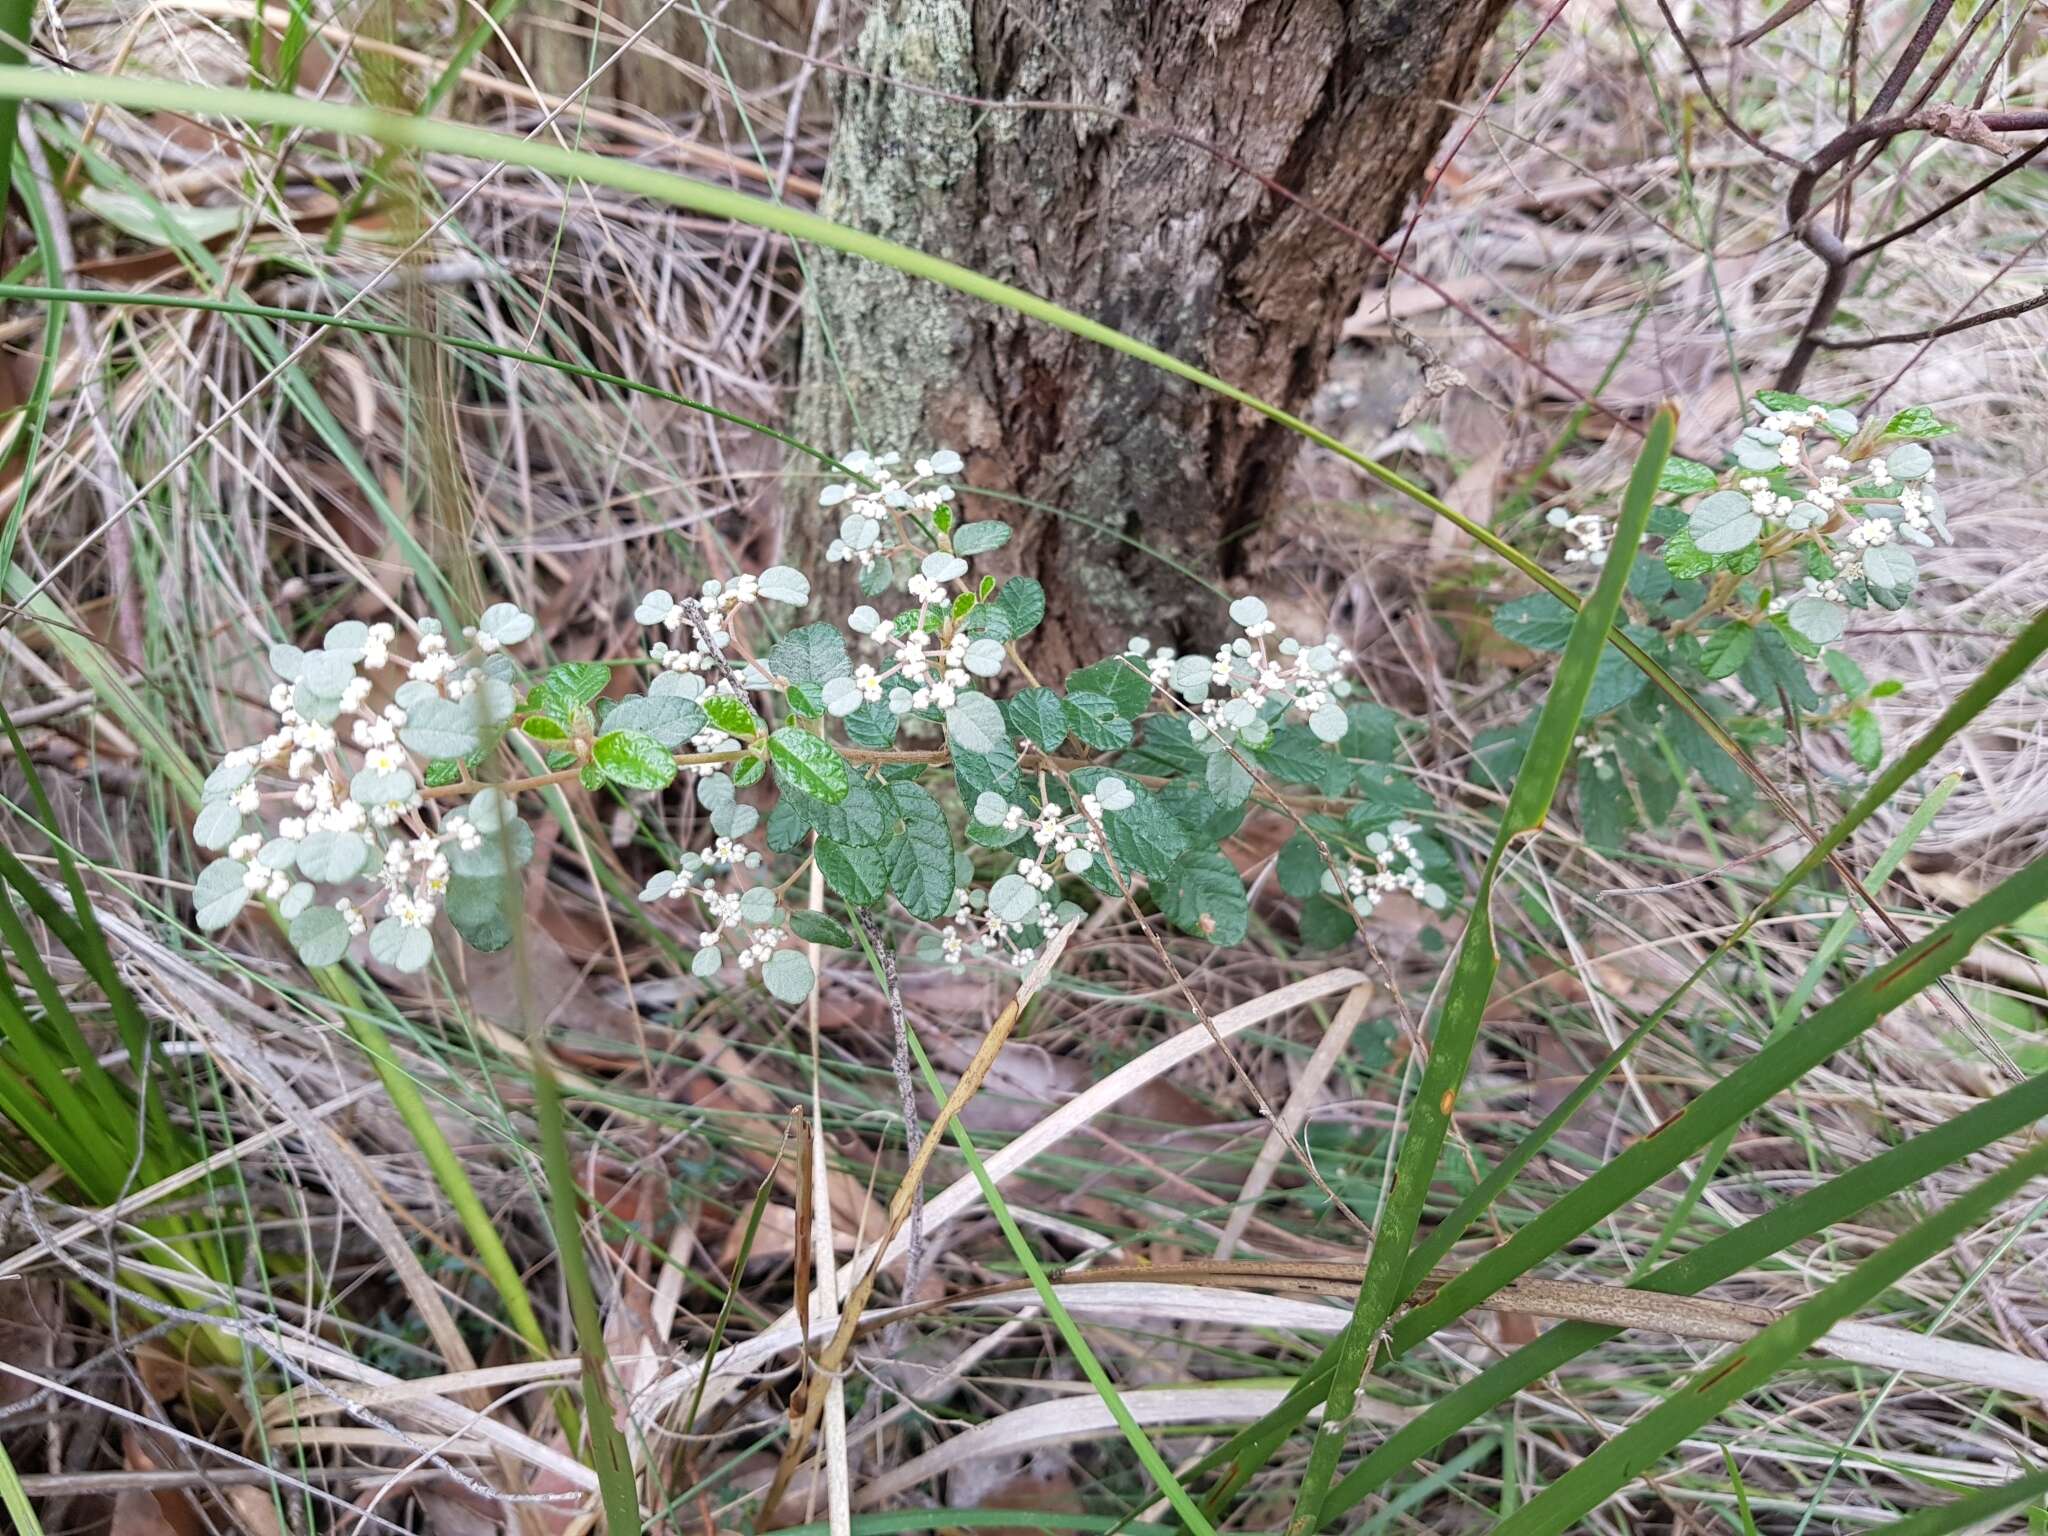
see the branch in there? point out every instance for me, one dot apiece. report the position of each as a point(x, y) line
point(1770, 24)
point(1933, 333)
point(1974, 189)
point(1699, 75)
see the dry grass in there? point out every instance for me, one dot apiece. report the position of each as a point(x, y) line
point(267, 496)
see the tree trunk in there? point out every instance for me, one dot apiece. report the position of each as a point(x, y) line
point(1342, 101)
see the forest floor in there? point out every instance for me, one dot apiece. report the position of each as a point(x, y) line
point(1598, 220)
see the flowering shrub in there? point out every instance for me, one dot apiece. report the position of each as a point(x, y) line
point(1760, 564)
point(912, 759)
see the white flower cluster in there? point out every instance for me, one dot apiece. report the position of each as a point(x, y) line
point(749, 920)
point(1810, 481)
point(870, 507)
point(336, 804)
point(1590, 534)
point(717, 602)
point(923, 669)
point(1248, 684)
point(1596, 754)
point(1397, 866)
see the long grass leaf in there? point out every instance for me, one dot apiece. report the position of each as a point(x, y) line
point(1472, 978)
point(1776, 1231)
point(1748, 1366)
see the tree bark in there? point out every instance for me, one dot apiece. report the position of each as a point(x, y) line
point(1342, 101)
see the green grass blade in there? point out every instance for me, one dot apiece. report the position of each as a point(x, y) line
point(2005, 669)
point(1070, 1333)
point(1750, 1365)
point(1811, 1212)
point(14, 1499)
point(1772, 1070)
point(1472, 979)
point(1825, 954)
point(608, 1453)
point(1650, 1159)
point(1973, 1509)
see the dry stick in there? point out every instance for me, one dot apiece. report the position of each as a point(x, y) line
point(1310, 1083)
point(1769, 24)
point(906, 1093)
point(833, 1358)
point(1686, 1317)
point(1949, 121)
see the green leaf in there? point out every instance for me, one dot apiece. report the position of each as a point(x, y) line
point(1890, 566)
point(1616, 680)
point(1683, 558)
point(480, 908)
point(1724, 523)
point(1128, 688)
point(1203, 895)
point(331, 856)
point(749, 770)
point(864, 818)
point(860, 875)
point(1917, 421)
point(320, 935)
point(814, 654)
point(401, 946)
point(567, 687)
point(439, 727)
point(1815, 620)
point(1779, 400)
point(817, 928)
point(1144, 837)
point(669, 718)
point(1847, 675)
point(505, 623)
point(1538, 621)
point(1724, 650)
point(1684, 477)
point(788, 976)
point(1326, 924)
point(1015, 610)
point(872, 726)
point(634, 759)
point(1097, 721)
point(1300, 867)
point(1604, 810)
point(921, 874)
point(975, 724)
point(1227, 780)
point(980, 538)
point(219, 894)
point(1039, 714)
point(731, 715)
point(502, 850)
point(1866, 739)
point(810, 763)
point(217, 825)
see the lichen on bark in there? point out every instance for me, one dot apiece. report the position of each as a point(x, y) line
point(1104, 203)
